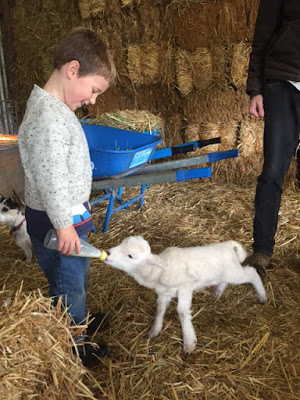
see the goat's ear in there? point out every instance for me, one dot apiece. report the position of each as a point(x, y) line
point(155, 261)
point(17, 200)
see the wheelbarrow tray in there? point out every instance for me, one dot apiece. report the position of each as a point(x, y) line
point(118, 152)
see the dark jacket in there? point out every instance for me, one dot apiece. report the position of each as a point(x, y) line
point(276, 44)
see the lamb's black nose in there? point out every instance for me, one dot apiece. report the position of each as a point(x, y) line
point(108, 253)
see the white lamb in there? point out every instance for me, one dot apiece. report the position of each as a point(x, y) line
point(178, 272)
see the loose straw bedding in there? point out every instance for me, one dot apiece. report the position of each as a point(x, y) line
point(244, 350)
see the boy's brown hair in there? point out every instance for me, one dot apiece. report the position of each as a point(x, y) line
point(90, 50)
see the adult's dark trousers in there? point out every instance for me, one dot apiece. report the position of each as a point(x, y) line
point(281, 136)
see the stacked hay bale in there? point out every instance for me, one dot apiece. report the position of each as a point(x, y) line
point(184, 61)
point(196, 54)
point(132, 120)
point(37, 28)
point(36, 350)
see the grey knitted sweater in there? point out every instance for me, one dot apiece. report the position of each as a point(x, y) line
point(55, 158)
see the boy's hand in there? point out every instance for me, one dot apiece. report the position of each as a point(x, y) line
point(257, 106)
point(68, 240)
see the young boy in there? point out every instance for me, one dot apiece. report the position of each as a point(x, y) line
point(58, 176)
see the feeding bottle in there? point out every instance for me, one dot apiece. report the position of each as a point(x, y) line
point(87, 250)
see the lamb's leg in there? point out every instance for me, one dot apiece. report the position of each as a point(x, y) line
point(28, 253)
point(184, 312)
point(162, 305)
point(249, 275)
point(219, 289)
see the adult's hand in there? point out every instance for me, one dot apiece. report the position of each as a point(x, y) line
point(257, 106)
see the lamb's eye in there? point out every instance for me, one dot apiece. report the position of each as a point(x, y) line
point(130, 256)
point(5, 209)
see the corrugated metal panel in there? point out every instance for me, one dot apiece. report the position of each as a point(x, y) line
point(8, 108)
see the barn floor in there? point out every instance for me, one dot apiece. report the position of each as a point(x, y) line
point(245, 350)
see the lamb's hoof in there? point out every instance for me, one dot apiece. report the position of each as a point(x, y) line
point(262, 300)
point(216, 294)
point(189, 348)
point(153, 333)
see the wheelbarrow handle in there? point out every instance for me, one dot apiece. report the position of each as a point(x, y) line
point(206, 142)
point(184, 148)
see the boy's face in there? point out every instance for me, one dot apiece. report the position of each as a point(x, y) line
point(84, 90)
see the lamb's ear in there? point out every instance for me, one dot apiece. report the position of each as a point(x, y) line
point(155, 261)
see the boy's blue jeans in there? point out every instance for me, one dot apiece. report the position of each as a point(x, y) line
point(67, 277)
point(281, 135)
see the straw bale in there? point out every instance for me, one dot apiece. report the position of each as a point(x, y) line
point(212, 23)
point(167, 66)
point(193, 70)
point(201, 69)
point(184, 72)
point(91, 8)
point(173, 130)
point(37, 27)
point(131, 26)
point(210, 130)
point(219, 58)
point(191, 132)
point(151, 63)
point(110, 28)
point(208, 114)
point(249, 142)
point(181, 6)
point(251, 12)
point(232, 20)
point(143, 63)
point(145, 22)
point(114, 6)
point(153, 28)
point(116, 98)
point(133, 120)
point(196, 27)
point(251, 137)
point(126, 3)
point(36, 350)
point(214, 105)
point(140, 3)
point(239, 63)
point(227, 133)
point(46, 66)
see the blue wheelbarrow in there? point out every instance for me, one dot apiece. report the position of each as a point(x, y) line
point(123, 158)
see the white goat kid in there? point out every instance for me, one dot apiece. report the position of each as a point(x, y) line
point(11, 214)
point(178, 272)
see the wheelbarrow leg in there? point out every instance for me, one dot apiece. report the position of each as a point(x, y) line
point(141, 201)
point(117, 197)
point(110, 209)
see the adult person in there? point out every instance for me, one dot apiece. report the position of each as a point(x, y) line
point(274, 88)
